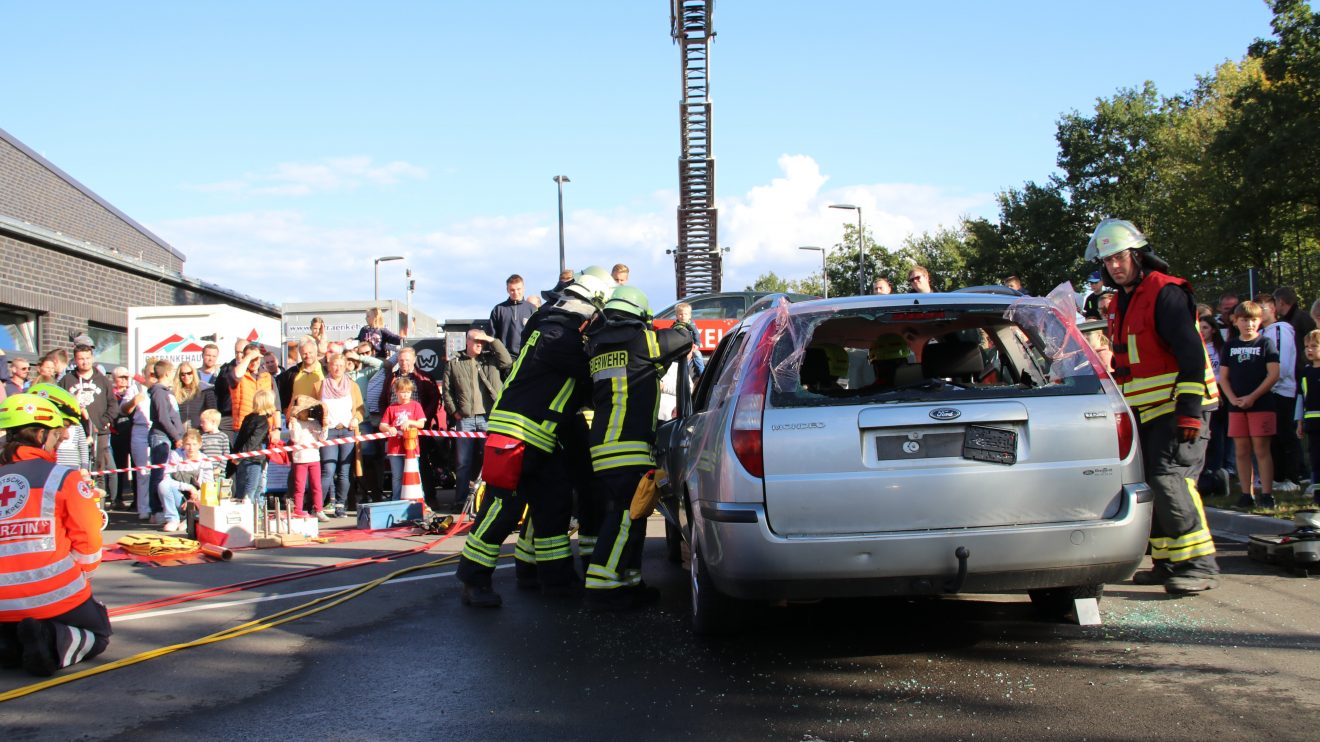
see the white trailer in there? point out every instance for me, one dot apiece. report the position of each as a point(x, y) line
point(178, 333)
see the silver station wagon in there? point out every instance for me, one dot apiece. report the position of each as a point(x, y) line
point(909, 444)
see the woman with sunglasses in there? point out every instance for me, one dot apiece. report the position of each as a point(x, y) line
point(193, 395)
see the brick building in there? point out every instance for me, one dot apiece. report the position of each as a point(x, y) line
point(73, 263)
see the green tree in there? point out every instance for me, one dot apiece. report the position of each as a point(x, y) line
point(1274, 149)
point(773, 283)
point(1108, 158)
point(1039, 238)
point(944, 253)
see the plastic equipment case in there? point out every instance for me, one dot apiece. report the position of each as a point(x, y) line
point(1297, 551)
point(388, 514)
point(229, 524)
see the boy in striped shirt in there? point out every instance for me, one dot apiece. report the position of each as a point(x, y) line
point(214, 443)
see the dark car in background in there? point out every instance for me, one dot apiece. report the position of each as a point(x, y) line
point(714, 314)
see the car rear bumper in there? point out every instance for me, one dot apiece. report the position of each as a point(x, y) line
point(747, 560)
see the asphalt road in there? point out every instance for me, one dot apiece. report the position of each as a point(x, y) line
point(406, 661)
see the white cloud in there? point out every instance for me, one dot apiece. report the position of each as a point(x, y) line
point(329, 175)
point(285, 255)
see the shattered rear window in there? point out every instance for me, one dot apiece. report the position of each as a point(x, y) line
point(906, 353)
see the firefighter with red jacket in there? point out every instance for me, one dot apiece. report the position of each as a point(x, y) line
point(628, 358)
point(50, 541)
point(1162, 367)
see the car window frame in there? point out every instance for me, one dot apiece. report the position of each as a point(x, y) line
point(719, 362)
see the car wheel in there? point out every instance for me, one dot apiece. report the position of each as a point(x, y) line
point(713, 613)
point(673, 543)
point(1056, 603)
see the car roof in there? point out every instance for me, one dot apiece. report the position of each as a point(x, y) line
point(834, 304)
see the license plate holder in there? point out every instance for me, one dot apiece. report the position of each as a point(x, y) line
point(994, 445)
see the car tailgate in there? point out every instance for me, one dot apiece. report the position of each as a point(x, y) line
point(901, 466)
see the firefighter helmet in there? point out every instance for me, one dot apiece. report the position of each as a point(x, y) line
point(63, 400)
point(630, 300)
point(598, 272)
point(889, 347)
point(1113, 236)
point(19, 410)
point(589, 287)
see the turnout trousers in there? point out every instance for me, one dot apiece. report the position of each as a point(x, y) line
point(543, 491)
point(1180, 540)
point(75, 635)
point(617, 559)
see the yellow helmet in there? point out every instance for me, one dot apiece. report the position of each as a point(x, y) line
point(889, 347)
point(19, 410)
point(63, 400)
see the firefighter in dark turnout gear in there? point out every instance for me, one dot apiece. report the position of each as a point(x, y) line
point(523, 467)
point(576, 461)
point(628, 358)
point(1161, 364)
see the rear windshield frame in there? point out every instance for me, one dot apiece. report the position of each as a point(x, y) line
point(1028, 371)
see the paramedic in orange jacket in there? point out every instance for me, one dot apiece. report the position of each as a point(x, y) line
point(50, 540)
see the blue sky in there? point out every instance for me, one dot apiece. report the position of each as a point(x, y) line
point(282, 146)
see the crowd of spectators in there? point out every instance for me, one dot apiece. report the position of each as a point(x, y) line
point(330, 390)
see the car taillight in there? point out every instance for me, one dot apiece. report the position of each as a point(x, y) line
point(749, 409)
point(747, 433)
point(1125, 433)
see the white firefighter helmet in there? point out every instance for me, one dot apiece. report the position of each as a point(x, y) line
point(1113, 236)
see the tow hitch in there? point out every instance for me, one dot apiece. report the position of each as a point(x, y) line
point(955, 585)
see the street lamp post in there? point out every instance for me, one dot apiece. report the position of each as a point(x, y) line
point(861, 250)
point(411, 285)
point(375, 293)
point(560, 180)
point(824, 279)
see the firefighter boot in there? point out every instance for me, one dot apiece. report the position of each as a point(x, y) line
point(1157, 575)
point(38, 640)
point(1189, 584)
point(11, 652)
point(525, 575)
point(479, 596)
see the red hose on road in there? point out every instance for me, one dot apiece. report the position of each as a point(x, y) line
point(212, 592)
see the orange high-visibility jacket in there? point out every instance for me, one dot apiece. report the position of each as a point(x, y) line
point(50, 537)
point(1143, 363)
point(245, 393)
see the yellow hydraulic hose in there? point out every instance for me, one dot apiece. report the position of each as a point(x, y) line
point(251, 627)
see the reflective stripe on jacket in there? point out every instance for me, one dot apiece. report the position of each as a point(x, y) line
point(627, 361)
point(1143, 364)
point(50, 536)
point(546, 384)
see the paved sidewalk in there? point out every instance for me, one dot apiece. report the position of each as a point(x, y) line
point(1241, 526)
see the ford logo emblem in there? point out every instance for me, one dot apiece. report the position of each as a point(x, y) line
point(945, 413)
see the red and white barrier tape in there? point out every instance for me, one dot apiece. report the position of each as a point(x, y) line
point(298, 447)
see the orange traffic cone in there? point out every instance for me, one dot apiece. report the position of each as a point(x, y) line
point(412, 474)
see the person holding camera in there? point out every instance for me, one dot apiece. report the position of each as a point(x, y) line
point(472, 382)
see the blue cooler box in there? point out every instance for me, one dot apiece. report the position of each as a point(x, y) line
point(375, 515)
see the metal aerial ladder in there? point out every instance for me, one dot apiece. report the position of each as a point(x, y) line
point(697, 260)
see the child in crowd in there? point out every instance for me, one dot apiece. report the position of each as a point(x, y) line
point(184, 476)
point(1099, 342)
point(1308, 408)
point(258, 430)
point(1247, 373)
point(73, 451)
point(398, 417)
point(305, 428)
point(214, 443)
